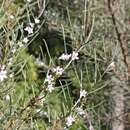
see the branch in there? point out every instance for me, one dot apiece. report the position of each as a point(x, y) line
point(123, 45)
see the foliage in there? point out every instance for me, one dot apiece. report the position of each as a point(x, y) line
point(68, 27)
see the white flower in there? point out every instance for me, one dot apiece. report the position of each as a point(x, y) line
point(7, 97)
point(39, 62)
point(10, 61)
point(50, 82)
point(38, 110)
point(29, 29)
point(25, 40)
point(112, 65)
point(13, 50)
point(91, 127)
point(50, 87)
point(37, 21)
point(31, 24)
point(20, 44)
point(58, 70)
point(11, 75)
point(49, 79)
point(11, 16)
point(29, 0)
point(82, 93)
point(80, 111)
point(75, 55)
point(2, 67)
point(3, 74)
point(41, 98)
point(65, 57)
point(70, 120)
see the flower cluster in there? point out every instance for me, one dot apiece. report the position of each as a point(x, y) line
point(70, 120)
point(66, 57)
point(50, 80)
point(80, 111)
point(30, 28)
point(50, 83)
point(58, 70)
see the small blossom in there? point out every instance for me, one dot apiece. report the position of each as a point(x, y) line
point(12, 43)
point(20, 44)
point(50, 82)
point(29, 0)
point(11, 75)
point(112, 65)
point(25, 40)
point(45, 114)
point(49, 79)
point(82, 26)
point(50, 87)
point(3, 74)
point(31, 24)
point(37, 21)
point(11, 16)
point(41, 98)
point(75, 55)
point(10, 61)
point(80, 111)
point(70, 121)
point(58, 70)
point(38, 110)
point(53, 14)
point(13, 50)
point(29, 29)
point(83, 93)
point(39, 62)
point(91, 127)
point(65, 57)
point(2, 67)
point(7, 97)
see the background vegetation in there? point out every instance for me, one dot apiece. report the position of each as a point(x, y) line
point(34, 34)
